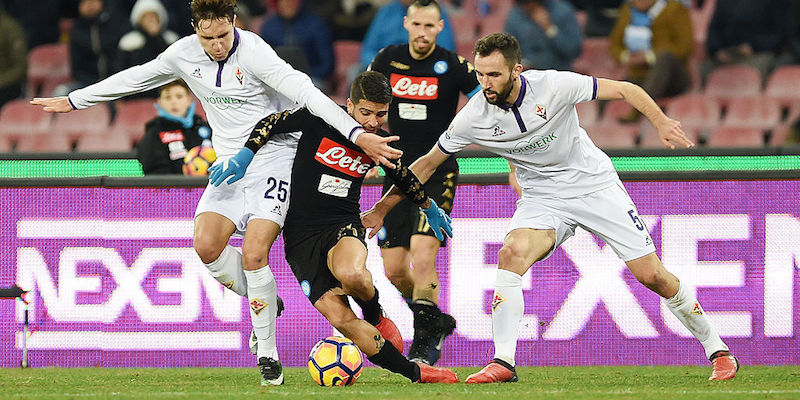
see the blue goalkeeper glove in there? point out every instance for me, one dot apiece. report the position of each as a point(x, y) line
point(438, 220)
point(235, 168)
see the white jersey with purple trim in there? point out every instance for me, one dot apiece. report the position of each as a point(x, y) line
point(236, 93)
point(539, 134)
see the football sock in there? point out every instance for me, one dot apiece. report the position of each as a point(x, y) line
point(371, 308)
point(426, 316)
point(507, 309)
point(389, 358)
point(262, 295)
point(687, 309)
point(227, 269)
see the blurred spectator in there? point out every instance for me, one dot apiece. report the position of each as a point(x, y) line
point(791, 54)
point(601, 15)
point(40, 18)
point(148, 38)
point(14, 62)
point(549, 33)
point(653, 38)
point(294, 28)
point(747, 32)
point(348, 19)
point(169, 136)
point(387, 29)
point(92, 46)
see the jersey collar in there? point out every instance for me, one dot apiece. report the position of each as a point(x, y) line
point(522, 87)
point(233, 48)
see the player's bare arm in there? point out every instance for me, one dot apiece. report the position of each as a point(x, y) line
point(53, 104)
point(669, 130)
point(423, 168)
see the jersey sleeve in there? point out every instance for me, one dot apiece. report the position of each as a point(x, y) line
point(576, 87)
point(297, 86)
point(280, 122)
point(467, 78)
point(457, 135)
point(378, 63)
point(136, 79)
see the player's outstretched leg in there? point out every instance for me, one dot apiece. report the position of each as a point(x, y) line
point(431, 327)
point(375, 315)
point(261, 293)
point(253, 343)
point(497, 371)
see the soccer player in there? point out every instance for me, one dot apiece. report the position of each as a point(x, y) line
point(238, 79)
point(566, 182)
point(323, 235)
point(426, 80)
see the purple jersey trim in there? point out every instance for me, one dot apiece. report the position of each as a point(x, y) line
point(438, 144)
point(71, 104)
point(520, 123)
point(222, 63)
point(522, 88)
point(594, 88)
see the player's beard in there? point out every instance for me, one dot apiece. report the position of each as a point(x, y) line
point(421, 49)
point(502, 95)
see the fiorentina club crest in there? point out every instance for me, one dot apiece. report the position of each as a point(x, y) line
point(496, 301)
point(239, 75)
point(257, 305)
point(696, 309)
point(228, 285)
point(541, 111)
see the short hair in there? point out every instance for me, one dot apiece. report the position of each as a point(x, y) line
point(212, 9)
point(178, 82)
point(372, 86)
point(425, 3)
point(504, 42)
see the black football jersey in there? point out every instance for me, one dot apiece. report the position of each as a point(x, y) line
point(328, 170)
point(425, 96)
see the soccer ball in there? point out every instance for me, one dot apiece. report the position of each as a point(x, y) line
point(335, 361)
point(197, 160)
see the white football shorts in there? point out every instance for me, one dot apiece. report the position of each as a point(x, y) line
point(263, 192)
point(608, 213)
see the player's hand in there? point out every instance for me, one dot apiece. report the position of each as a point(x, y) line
point(53, 104)
point(372, 220)
point(672, 134)
point(235, 167)
point(378, 149)
point(438, 220)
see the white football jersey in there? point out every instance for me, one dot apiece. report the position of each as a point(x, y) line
point(236, 93)
point(539, 134)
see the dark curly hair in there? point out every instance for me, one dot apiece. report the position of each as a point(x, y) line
point(504, 42)
point(212, 9)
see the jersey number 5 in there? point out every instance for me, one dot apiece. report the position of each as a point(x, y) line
point(281, 186)
point(636, 221)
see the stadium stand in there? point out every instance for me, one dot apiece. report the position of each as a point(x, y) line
point(347, 53)
point(753, 112)
point(19, 119)
point(613, 135)
point(733, 81)
point(73, 125)
point(48, 67)
point(731, 136)
point(44, 144)
point(104, 141)
point(615, 110)
point(596, 61)
point(132, 115)
point(782, 85)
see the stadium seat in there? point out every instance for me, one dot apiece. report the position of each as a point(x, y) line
point(18, 119)
point(730, 136)
point(5, 145)
point(694, 111)
point(347, 54)
point(132, 115)
point(782, 84)
point(613, 135)
point(733, 81)
point(44, 144)
point(104, 142)
point(92, 120)
point(587, 113)
point(465, 25)
point(615, 110)
point(753, 112)
point(595, 60)
point(779, 135)
point(48, 66)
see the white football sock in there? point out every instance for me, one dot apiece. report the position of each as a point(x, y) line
point(688, 310)
point(227, 269)
point(262, 293)
point(507, 309)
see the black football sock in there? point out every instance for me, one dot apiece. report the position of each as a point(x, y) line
point(371, 308)
point(389, 358)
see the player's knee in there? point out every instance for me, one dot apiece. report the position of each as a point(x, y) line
point(398, 276)
point(354, 280)
point(207, 251)
point(510, 253)
point(652, 278)
point(254, 260)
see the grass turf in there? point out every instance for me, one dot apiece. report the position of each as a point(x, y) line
point(625, 382)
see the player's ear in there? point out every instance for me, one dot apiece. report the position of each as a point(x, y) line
point(350, 106)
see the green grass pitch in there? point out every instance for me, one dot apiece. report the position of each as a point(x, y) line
point(626, 382)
